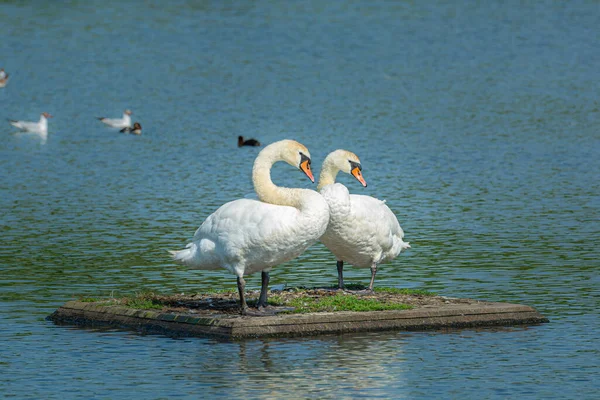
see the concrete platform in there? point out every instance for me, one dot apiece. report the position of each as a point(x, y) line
point(181, 323)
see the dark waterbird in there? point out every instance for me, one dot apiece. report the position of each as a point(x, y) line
point(135, 130)
point(249, 142)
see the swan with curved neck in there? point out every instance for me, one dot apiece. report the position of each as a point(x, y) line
point(245, 236)
point(362, 230)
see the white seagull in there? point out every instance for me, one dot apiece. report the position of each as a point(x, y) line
point(124, 122)
point(362, 230)
point(40, 127)
point(3, 78)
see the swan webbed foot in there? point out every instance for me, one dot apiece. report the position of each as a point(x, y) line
point(340, 269)
point(261, 305)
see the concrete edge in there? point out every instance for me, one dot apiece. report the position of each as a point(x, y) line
point(236, 327)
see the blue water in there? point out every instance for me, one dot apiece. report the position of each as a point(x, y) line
point(478, 123)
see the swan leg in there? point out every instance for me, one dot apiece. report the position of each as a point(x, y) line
point(373, 272)
point(340, 268)
point(241, 284)
point(262, 299)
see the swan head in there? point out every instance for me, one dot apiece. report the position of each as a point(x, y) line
point(46, 115)
point(128, 112)
point(295, 154)
point(344, 161)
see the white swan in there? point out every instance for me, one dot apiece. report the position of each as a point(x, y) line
point(246, 236)
point(362, 230)
point(123, 122)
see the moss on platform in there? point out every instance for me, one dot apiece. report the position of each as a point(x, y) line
point(294, 300)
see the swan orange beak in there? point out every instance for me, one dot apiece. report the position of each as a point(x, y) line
point(305, 167)
point(358, 175)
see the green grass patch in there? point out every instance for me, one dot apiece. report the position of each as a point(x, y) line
point(349, 286)
point(354, 286)
point(302, 300)
point(143, 301)
point(337, 302)
point(218, 291)
point(360, 286)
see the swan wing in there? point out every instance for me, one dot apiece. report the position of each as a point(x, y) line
point(370, 208)
point(257, 234)
point(381, 225)
point(366, 233)
point(259, 221)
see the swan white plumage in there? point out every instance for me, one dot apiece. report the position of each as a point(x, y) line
point(123, 122)
point(362, 230)
point(246, 236)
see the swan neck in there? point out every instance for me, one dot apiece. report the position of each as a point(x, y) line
point(264, 187)
point(328, 174)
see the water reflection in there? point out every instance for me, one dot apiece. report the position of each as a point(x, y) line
point(365, 365)
point(40, 138)
point(485, 144)
point(266, 368)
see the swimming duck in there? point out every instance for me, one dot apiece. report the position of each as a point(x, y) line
point(249, 142)
point(135, 130)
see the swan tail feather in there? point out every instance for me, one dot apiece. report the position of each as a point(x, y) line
point(184, 256)
point(400, 246)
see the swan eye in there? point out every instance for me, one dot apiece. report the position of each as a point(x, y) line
point(305, 166)
point(355, 170)
point(304, 157)
point(354, 164)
